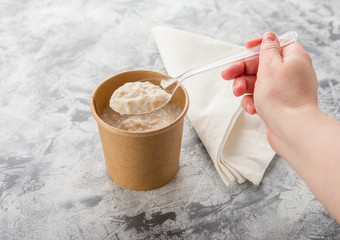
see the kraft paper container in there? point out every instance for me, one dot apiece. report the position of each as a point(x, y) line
point(139, 160)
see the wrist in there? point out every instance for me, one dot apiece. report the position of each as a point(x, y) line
point(289, 128)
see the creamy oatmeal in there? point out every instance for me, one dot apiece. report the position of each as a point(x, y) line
point(138, 97)
point(142, 122)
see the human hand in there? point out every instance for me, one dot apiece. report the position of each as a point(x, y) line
point(277, 81)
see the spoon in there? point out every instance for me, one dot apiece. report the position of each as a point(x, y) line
point(170, 85)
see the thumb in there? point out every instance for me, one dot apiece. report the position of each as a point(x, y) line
point(270, 51)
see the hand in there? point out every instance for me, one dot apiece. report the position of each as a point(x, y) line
point(278, 81)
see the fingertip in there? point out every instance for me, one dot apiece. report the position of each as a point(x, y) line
point(237, 92)
point(253, 42)
point(224, 74)
point(251, 109)
point(247, 104)
point(233, 71)
point(269, 37)
point(239, 86)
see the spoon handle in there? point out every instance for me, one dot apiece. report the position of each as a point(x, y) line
point(246, 54)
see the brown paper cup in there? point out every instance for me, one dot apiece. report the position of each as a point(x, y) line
point(139, 160)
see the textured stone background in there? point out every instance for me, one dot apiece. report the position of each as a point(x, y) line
point(53, 182)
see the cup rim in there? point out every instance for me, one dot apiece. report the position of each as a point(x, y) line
point(136, 133)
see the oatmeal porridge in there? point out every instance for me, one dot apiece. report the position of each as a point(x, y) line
point(135, 97)
point(138, 97)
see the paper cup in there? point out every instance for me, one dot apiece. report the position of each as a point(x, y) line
point(139, 160)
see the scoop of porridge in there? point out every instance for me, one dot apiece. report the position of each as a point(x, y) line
point(138, 97)
point(142, 122)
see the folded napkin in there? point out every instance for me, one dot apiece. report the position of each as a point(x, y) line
point(235, 141)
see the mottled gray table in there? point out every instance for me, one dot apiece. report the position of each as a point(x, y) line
point(53, 182)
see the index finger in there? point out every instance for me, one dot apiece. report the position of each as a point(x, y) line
point(243, 68)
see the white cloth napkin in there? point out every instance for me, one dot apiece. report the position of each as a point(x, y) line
point(235, 141)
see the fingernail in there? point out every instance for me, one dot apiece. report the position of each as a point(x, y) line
point(269, 37)
point(248, 108)
point(235, 85)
